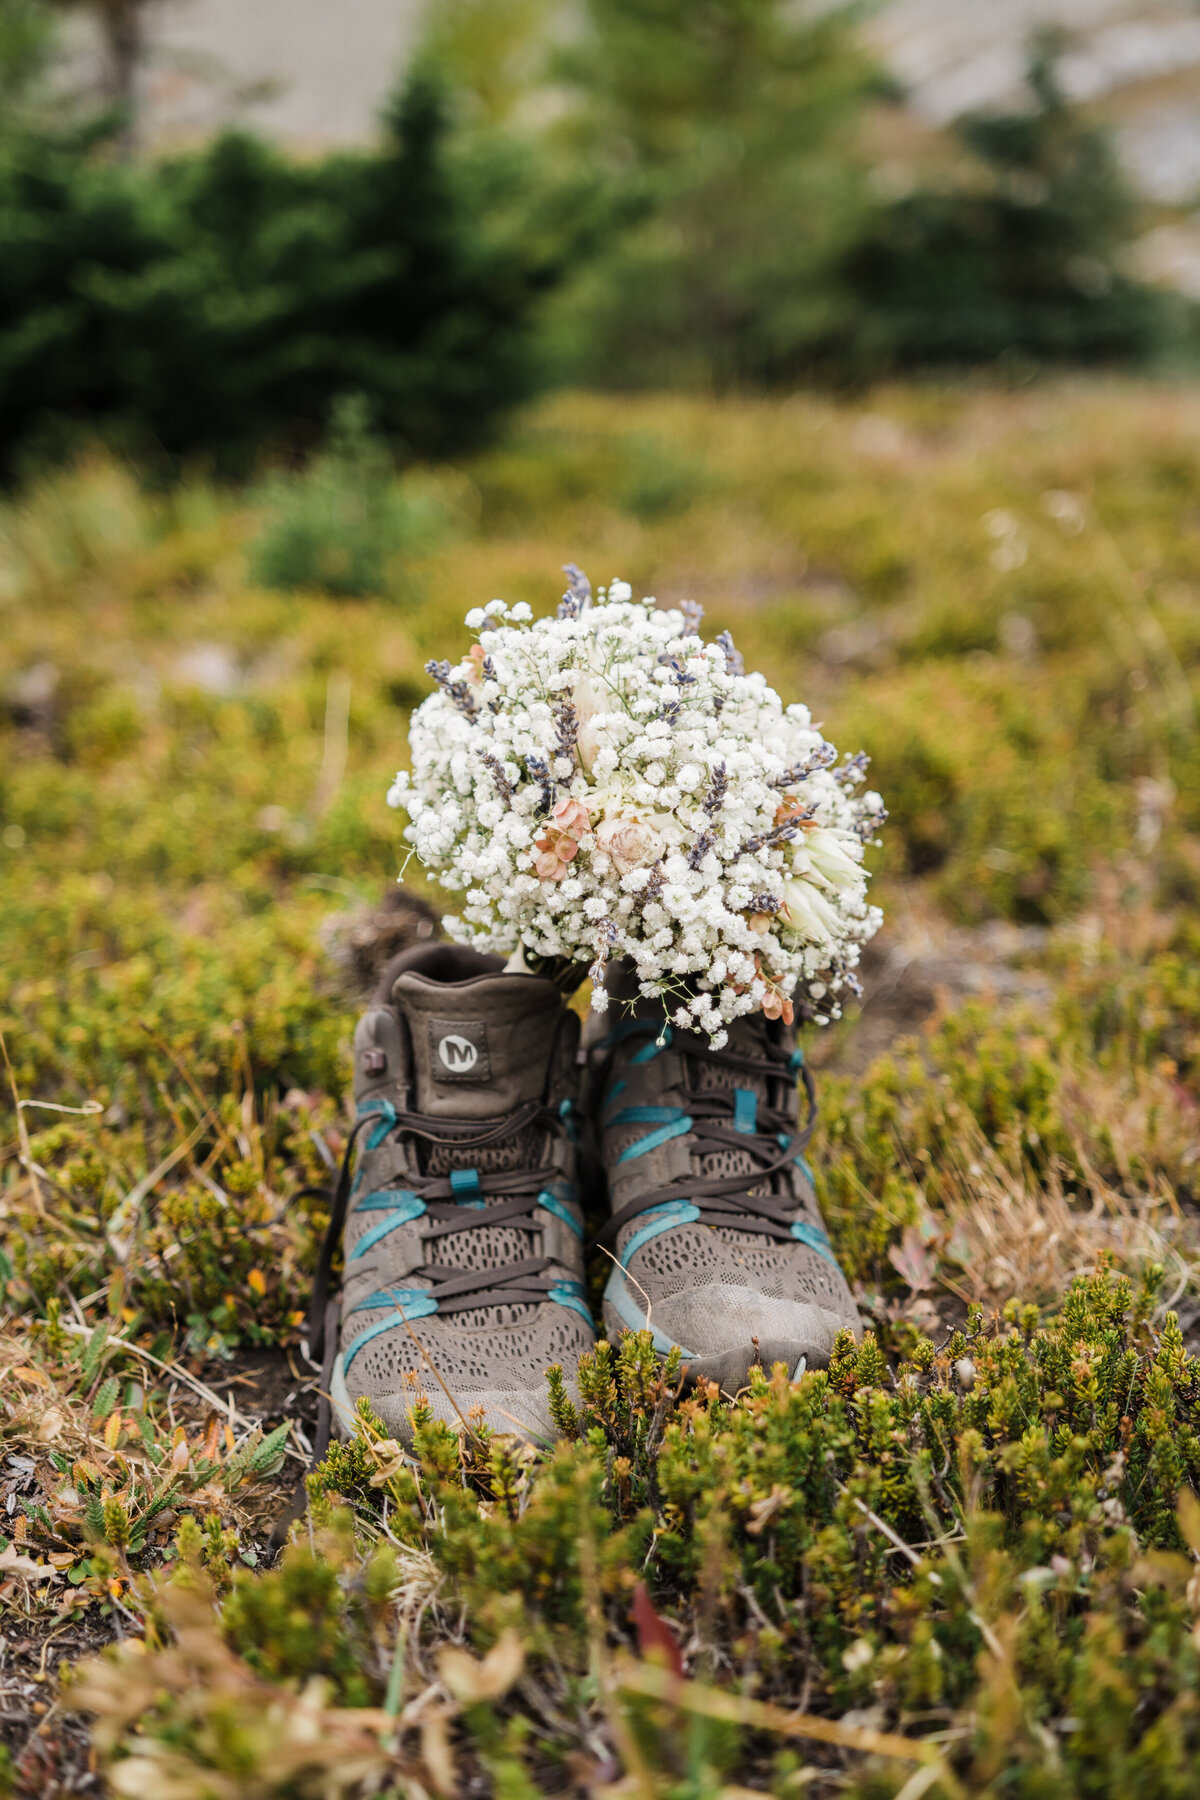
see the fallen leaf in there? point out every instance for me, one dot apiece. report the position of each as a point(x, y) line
point(211, 1438)
point(13, 1563)
point(26, 1372)
point(912, 1261)
point(471, 1680)
point(50, 1425)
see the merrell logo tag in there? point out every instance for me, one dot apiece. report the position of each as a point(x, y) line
point(459, 1050)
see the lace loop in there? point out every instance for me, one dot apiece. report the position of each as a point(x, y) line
point(720, 1119)
point(515, 1191)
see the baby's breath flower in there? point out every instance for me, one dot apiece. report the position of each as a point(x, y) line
point(603, 785)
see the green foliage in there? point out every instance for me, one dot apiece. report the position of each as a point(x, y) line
point(732, 126)
point(291, 1623)
point(26, 31)
point(344, 523)
point(1018, 254)
point(1001, 1532)
point(223, 301)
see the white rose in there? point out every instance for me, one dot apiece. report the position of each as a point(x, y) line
point(631, 842)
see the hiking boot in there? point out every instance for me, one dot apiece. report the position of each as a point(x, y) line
point(719, 1242)
point(463, 1226)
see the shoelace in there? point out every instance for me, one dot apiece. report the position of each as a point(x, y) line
point(453, 1203)
point(724, 1119)
point(442, 1197)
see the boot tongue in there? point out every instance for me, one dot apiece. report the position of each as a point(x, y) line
point(480, 1047)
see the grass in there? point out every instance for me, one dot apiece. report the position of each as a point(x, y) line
point(959, 1563)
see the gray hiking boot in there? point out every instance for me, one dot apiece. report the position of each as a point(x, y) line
point(719, 1242)
point(463, 1225)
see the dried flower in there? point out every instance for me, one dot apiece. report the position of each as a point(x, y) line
point(628, 790)
point(632, 843)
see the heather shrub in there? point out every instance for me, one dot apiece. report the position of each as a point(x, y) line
point(997, 1530)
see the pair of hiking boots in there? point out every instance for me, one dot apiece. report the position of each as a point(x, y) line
point(481, 1132)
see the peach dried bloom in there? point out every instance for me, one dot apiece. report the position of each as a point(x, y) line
point(571, 816)
point(558, 845)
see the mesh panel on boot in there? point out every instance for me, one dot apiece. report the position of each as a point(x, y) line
point(487, 1246)
point(487, 1354)
point(468, 1360)
point(709, 1078)
point(720, 1285)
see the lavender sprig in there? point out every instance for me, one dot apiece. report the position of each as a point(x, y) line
point(701, 848)
point(670, 659)
point(714, 800)
point(734, 665)
point(693, 613)
point(456, 691)
point(579, 592)
point(865, 828)
point(852, 770)
point(764, 903)
point(566, 724)
point(538, 769)
point(778, 834)
point(655, 884)
point(820, 758)
point(495, 769)
point(606, 937)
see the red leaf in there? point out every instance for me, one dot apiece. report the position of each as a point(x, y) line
point(911, 1261)
point(656, 1640)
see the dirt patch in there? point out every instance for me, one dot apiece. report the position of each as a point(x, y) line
point(915, 965)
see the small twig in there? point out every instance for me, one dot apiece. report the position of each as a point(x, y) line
point(133, 1199)
point(337, 740)
point(629, 1276)
point(26, 1157)
point(432, 1367)
point(893, 1537)
point(762, 1715)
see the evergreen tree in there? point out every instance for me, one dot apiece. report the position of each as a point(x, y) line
point(1020, 253)
point(734, 123)
point(224, 300)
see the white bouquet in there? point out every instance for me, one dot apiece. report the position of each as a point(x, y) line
point(605, 784)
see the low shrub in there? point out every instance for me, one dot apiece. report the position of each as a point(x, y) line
point(991, 1543)
point(345, 523)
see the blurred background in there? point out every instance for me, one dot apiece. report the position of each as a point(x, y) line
point(873, 329)
point(222, 219)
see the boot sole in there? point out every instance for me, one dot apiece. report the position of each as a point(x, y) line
point(342, 1407)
